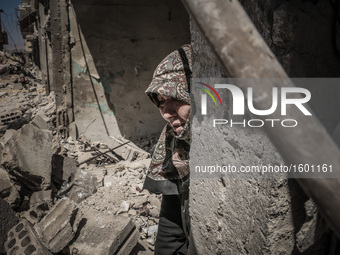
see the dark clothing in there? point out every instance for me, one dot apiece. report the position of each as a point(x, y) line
point(172, 236)
point(169, 171)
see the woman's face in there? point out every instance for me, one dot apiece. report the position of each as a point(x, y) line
point(174, 111)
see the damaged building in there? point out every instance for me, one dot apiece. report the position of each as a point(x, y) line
point(3, 34)
point(78, 130)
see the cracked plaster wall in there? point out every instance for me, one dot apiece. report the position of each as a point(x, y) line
point(263, 216)
point(127, 40)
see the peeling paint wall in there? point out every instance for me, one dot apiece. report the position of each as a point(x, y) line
point(127, 40)
point(91, 112)
point(99, 56)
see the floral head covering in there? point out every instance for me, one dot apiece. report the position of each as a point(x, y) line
point(170, 160)
point(172, 76)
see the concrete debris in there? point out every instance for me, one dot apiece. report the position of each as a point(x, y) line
point(39, 122)
point(21, 239)
point(126, 149)
point(40, 203)
point(43, 181)
point(81, 186)
point(62, 168)
point(9, 133)
point(8, 191)
point(58, 227)
point(29, 143)
point(148, 143)
point(9, 117)
point(105, 235)
point(19, 121)
point(7, 221)
point(17, 86)
point(125, 206)
point(3, 94)
point(4, 68)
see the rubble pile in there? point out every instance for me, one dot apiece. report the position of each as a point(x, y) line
point(59, 195)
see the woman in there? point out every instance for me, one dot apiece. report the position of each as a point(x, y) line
point(169, 169)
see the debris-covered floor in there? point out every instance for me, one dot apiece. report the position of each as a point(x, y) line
point(59, 195)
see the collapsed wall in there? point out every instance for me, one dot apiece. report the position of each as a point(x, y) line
point(59, 195)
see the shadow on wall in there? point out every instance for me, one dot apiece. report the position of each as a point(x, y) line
point(127, 40)
point(304, 36)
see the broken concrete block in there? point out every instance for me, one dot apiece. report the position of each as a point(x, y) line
point(22, 240)
point(43, 197)
point(7, 118)
point(130, 243)
point(140, 164)
point(27, 156)
point(125, 206)
point(7, 221)
point(155, 201)
point(3, 94)
point(8, 191)
point(9, 133)
point(127, 149)
point(40, 203)
point(33, 89)
point(62, 168)
point(58, 227)
point(5, 183)
point(85, 156)
point(17, 86)
point(39, 122)
point(105, 235)
point(81, 186)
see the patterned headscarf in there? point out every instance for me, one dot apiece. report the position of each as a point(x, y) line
point(170, 160)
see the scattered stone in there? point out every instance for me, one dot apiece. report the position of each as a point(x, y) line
point(85, 157)
point(39, 122)
point(17, 85)
point(105, 235)
point(29, 143)
point(21, 239)
point(154, 212)
point(33, 89)
point(3, 94)
point(155, 201)
point(152, 230)
point(63, 168)
point(125, 206)
point(7, 118)
point(81, 186)
point(58, 227)
point(18, 121)
point(27, 185)
point(127, 149)
point(144, 210)
point(40, 203)
point(9, 133)
point(7, 221)
point(8, 191)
